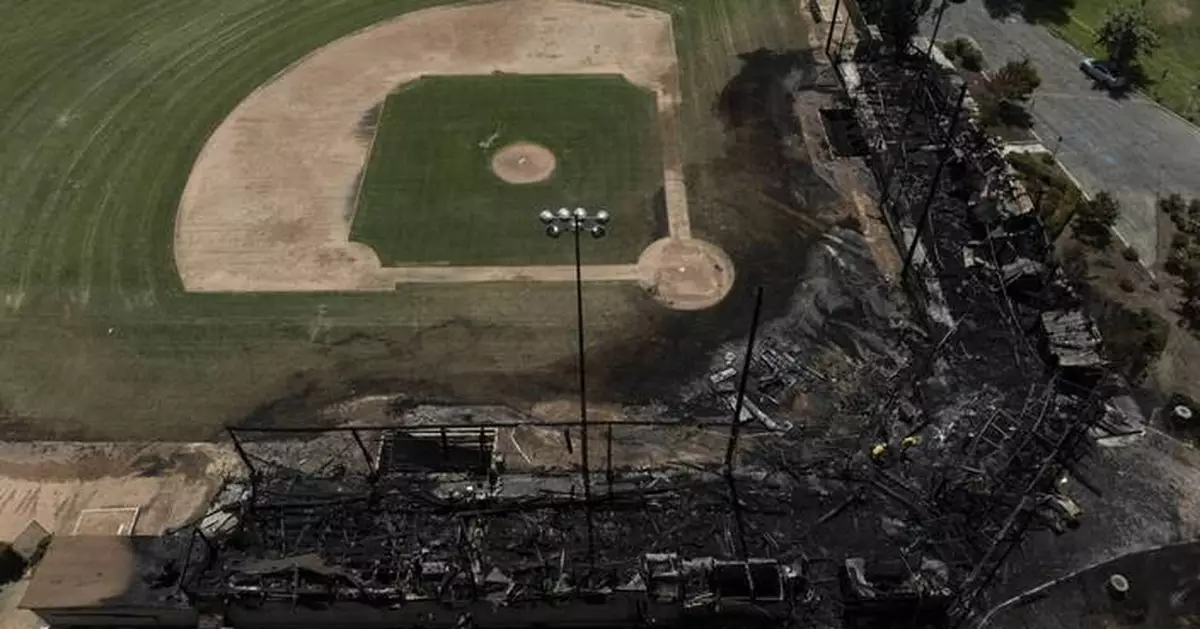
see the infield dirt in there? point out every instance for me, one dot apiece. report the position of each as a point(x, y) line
point(269, 202)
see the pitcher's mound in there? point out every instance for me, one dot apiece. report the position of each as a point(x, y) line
point(685, 273)
point(523, 162)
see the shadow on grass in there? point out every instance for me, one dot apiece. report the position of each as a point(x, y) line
point(1034, 11)
point(769, 208)
point(1014, 115)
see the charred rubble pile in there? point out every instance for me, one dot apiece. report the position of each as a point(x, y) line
point(936, 432)
point(999, 403)
point(500, 549)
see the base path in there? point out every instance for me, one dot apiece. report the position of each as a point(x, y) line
point(560, 273)
point(685, 273)
point(269, 203)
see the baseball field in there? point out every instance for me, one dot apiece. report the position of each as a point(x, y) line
point(240, 210)
point(602, 134)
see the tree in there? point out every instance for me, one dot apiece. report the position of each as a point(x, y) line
point(1015, 81)
point(1173, 205)
point(900, 21)
point(1127, 34)
point(964, 52)
point(1190, 306)
point(1094, 220)
point(1073, 261)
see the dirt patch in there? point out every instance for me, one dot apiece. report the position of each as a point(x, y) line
point(100, 486)
point(686, 274)
point(523, 162)
point(1174, 11)
point(265, 208)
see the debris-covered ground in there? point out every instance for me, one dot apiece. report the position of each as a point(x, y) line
point(899, 458)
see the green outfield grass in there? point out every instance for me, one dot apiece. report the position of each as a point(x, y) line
point(1173, 71)
point(429, 195)
point(104, 106)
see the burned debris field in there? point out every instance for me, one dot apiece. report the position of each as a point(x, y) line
point(893, 447)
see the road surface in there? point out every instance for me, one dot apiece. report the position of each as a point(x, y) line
point(1128, 146)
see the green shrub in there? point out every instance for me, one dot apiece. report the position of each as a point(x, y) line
point(972, 57)
point(1054, 195)
point(1133, 339)
point(1015, 80)
point(964, 53)
point(1095, 219)
point(1130, 254)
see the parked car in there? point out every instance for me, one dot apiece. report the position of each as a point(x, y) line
point(1104, 73)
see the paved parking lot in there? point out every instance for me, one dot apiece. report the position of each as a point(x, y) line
point(1128, 146)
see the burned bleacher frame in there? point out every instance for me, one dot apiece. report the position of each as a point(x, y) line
point(974, 258)
point(313, 532)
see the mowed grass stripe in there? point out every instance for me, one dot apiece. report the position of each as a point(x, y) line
point(177, 365)
point(71, 259)
point(150, 47)
point(157, 274)
point(43, 225)
point(429, 195)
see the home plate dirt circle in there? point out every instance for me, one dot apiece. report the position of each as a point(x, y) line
point(523, 162)
point(685, 273)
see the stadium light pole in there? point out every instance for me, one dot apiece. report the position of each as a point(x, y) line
point(576, 222)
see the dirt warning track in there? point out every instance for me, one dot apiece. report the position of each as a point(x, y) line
point(270, 199)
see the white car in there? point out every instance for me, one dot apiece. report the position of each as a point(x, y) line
point(1104, 72)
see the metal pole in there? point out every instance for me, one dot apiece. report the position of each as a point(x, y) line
point(842, 41)
point(921, 224)
point(832, 23)
point(936, 26)
point(187, 560)
point(608, 455)
point(736, 423)
point(237, 445)
point(366, 455)
point(483, 457)
point(958, 106)
point(583, 425)
point(933, 186)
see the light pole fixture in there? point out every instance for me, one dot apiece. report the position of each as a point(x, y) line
point(577, 222)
